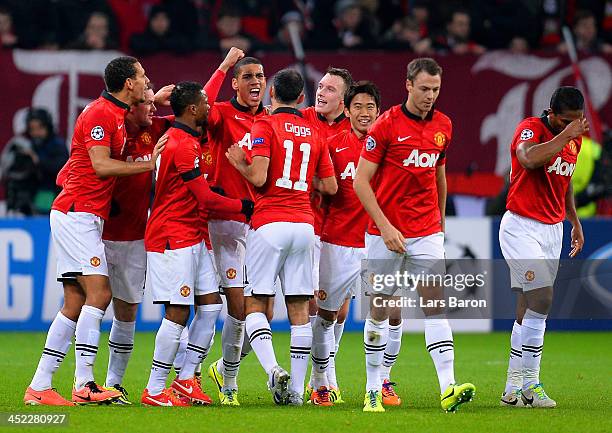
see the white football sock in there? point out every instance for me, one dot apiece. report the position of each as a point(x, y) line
point(322, 344)
point(375, 336)
point(59, 338)
point(394, 344)
point(179, 359)
point(439, 342)
point(201, 333)
point(166, 345)
point(514, 378)
point(260, 337)
point(86, 344)
point(232, 338)
point(331, 370)
point(532, 339)
point(120, 346)
point(301, 343)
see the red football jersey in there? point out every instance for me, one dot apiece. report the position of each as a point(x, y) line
point(101, 123)
point(174, 221)
point(408, 150)
point(230, 123)
point(132, 194)
point(296, 153)
point(346, 220)
point(540, 193)
point(340, 123)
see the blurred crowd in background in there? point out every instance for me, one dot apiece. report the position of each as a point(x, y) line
point(426, 27)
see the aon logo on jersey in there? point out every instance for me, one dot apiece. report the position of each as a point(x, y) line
point(423, 159)
point(130, 158)
point(562, 168)
point(349, 171)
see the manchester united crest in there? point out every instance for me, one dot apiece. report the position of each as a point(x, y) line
point(185, 291)
point(231, 273)
point(322, 294)
point(94, 261)
point(207, 158)
point(439, 139)
point(572, 147)
point(146, 138)
point(529, 275)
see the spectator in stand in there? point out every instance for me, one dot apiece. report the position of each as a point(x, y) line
point(405, 35)
point(30, 163)
point(282, 42)
point(456, 39)
point(518, 45)
point(229, 34)
point(8, 38)
point(585, 35)
point(70, 17)
point(96, 35)
point(420, 12)
point(159, 36)
point(353, 30)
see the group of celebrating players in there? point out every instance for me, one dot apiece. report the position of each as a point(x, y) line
point(296, 198)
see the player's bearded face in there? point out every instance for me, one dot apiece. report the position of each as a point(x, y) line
point(330, 93)
point(423, 91)
point(138, 84)
point(250, 85)
point(362, 112)
point(202, 110)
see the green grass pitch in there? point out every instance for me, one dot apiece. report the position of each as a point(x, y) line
point(577, 371)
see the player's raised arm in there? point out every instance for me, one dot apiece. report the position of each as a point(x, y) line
point(214, 83)
point(326, 182)
point(533, 155)
point(365, 172)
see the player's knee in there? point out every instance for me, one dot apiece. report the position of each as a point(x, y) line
point(178, 314)
point(124, 311)
point(327, 315)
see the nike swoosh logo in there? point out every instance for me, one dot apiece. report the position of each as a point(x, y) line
point(450, 395)
point(37, 398)
point(187, 390)
point(341, 149)
point(159, 403)
point(120, 126)
point(400, 139)
point(442, 351)
point(238, 118)
point(88, 398)
point(528, 400)
point(85, 354)
point(511, 403)
point(536, 355)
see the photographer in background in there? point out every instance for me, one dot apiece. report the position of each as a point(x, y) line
point(29, 165)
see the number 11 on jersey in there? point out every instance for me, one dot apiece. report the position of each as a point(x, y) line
point(285, 181)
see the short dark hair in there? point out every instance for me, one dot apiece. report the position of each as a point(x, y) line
point(243, 62)
point(184, 94)
point(566, 98)
point(117, 71)
point(342, 73)
point(421, 64)
point(288, 85)
point(364, 86)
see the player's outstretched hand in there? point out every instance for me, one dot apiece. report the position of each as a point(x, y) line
point(577, 240)
point(577, 128)
point(236, 156)
point(230, 60)
point(247, 208)
point(162, 97)
point(158, 149)
point(393, 239)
